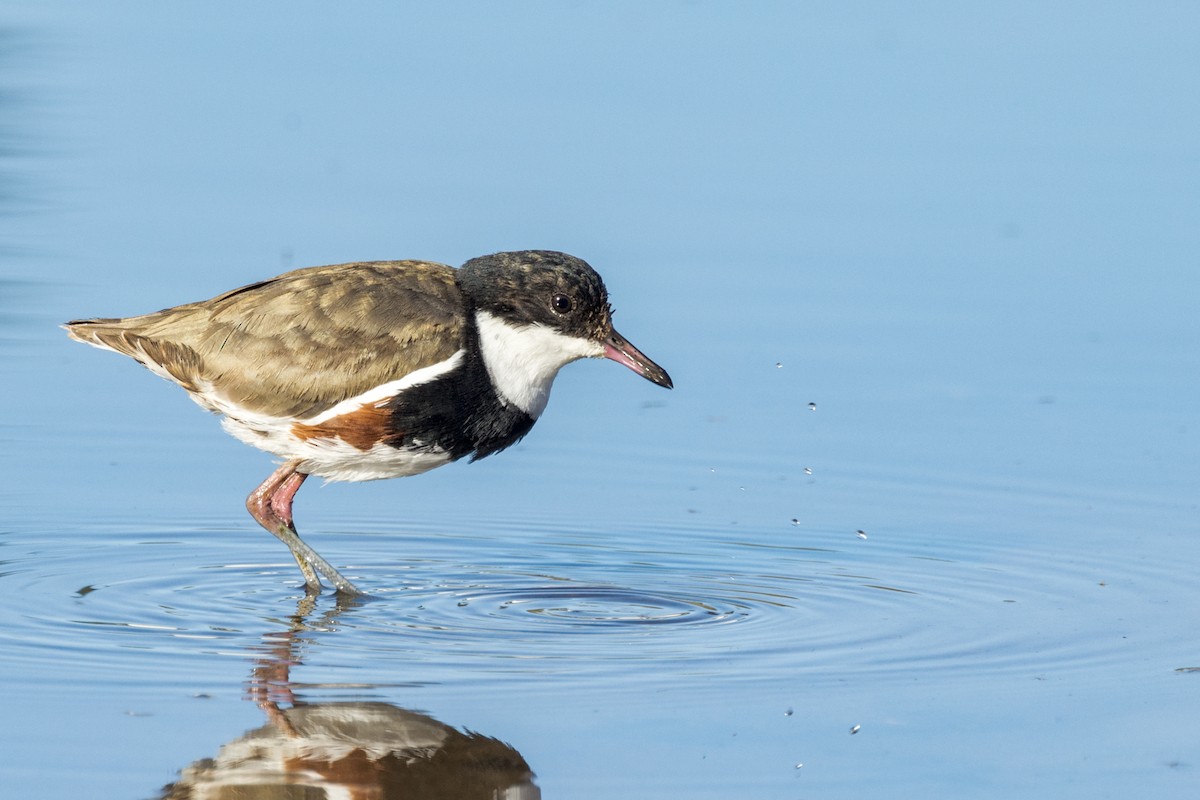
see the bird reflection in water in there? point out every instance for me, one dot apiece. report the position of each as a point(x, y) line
point(347, 751)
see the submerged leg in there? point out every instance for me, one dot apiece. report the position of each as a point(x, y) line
point(271, 505)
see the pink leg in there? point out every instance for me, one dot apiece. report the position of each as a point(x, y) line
point(281, 500)
point(271, 505)
point(263, 504)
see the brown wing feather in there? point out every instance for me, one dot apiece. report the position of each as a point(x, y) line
point(300, 343)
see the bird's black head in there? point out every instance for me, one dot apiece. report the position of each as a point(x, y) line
point(539, 287)
point(531, 289)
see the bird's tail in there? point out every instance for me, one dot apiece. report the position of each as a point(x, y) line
point(175, 362)
point(107, 334)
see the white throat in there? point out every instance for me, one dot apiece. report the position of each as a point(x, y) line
point(522, 360)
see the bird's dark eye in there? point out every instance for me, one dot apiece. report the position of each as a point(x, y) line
point(561, 303)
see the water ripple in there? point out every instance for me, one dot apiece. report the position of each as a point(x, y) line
point(652, 604)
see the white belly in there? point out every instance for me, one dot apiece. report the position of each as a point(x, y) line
point(330, 457)
point(334, 459)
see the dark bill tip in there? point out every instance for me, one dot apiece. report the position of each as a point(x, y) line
point(618, 348)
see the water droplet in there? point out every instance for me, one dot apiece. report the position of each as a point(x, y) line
point(789, 712)
point(808, 470)
point(862, 534)
point(812, 406)
point(855, 729)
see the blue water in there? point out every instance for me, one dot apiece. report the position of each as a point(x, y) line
point(920, 517)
